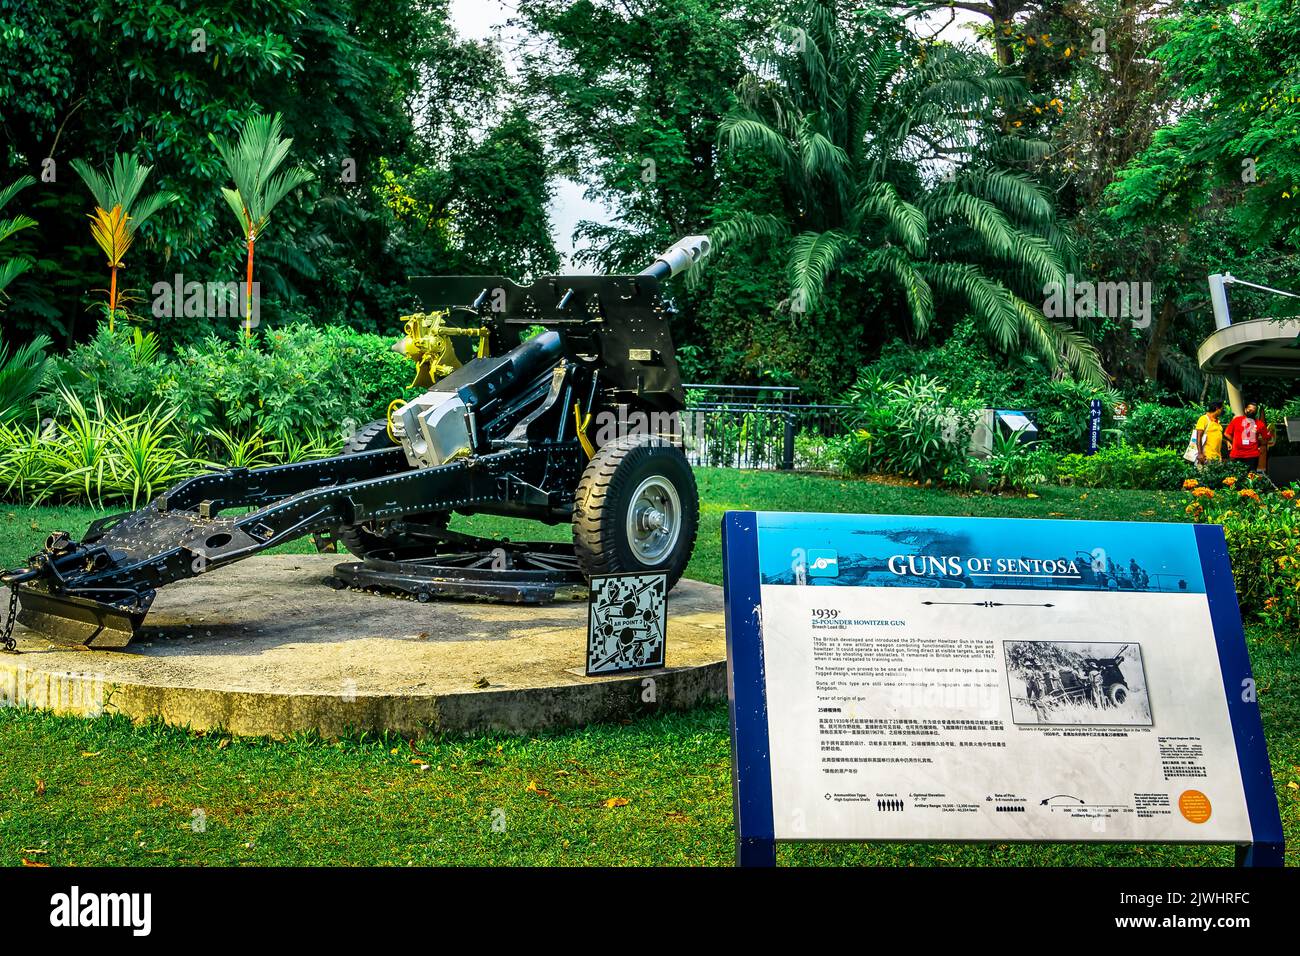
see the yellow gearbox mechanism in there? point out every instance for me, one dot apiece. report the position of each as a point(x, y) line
point(430, 343)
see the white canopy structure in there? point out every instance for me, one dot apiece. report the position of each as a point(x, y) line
point(1257, 348)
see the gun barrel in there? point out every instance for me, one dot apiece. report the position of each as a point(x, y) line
point(678, 257)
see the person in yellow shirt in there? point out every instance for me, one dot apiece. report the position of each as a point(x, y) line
point(1209, 434)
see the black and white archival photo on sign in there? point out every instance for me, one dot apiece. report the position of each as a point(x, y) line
point(1067, 682)
point(626, 622)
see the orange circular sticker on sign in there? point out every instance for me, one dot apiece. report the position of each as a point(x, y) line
point(1194, 805)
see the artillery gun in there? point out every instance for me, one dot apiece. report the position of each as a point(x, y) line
point(578, 423)
point(1074, 684)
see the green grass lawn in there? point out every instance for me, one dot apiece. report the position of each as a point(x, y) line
point(658, 790)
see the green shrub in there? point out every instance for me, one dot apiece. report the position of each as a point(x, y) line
point(848, 454)
point(969, 370)
point(298, 386)
point(963, 362)
point(913, 428)
point(269, 383)
point(1019, 470)
point(814, 451)
point(365, 370)
point(1262, 527)
point(1151, 425)
point(1063, 411)
point(1126, 467)
point(122, 367)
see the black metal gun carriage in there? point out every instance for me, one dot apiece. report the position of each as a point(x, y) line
point(577, 423)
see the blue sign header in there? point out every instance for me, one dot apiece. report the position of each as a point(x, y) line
point(915, 551)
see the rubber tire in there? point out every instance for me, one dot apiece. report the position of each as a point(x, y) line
point(603, 498)
point(1117, 694)
point(364, 538)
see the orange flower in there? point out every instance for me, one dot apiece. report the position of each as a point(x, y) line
point(1287, 493)
point(1249, 493)
point(1203, 492)
point(1229, 481)
point(1190, 483)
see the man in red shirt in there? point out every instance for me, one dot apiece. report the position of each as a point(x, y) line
point(1249, 436)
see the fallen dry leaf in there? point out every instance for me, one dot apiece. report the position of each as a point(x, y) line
point(613, 802)
point(91, 753)
point(40, 787)
point(482, 682)
point(533, 787)
point(27, 862)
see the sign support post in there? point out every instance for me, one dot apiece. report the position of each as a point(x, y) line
point(755, 840)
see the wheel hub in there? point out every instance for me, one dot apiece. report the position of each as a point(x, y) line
point(654, 520)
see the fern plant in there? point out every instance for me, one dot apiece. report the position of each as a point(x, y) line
point(21, 375)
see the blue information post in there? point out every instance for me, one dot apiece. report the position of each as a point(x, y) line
point(911, 678)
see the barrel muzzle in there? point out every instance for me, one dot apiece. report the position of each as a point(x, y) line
point(680, 256)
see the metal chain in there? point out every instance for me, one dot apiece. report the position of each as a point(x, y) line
point(7, 631)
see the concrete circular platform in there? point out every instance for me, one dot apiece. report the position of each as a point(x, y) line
point(266, 647)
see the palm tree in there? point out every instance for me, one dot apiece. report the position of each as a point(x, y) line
point(120, 211)
point(890, 166)
point(252, 163)
point(11, 269)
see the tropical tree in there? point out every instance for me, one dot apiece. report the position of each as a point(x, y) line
point(630, 93)
point(120, 210)
point(1217, 189)
point(253, 161)
point(12, 268)
point(897, 165)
